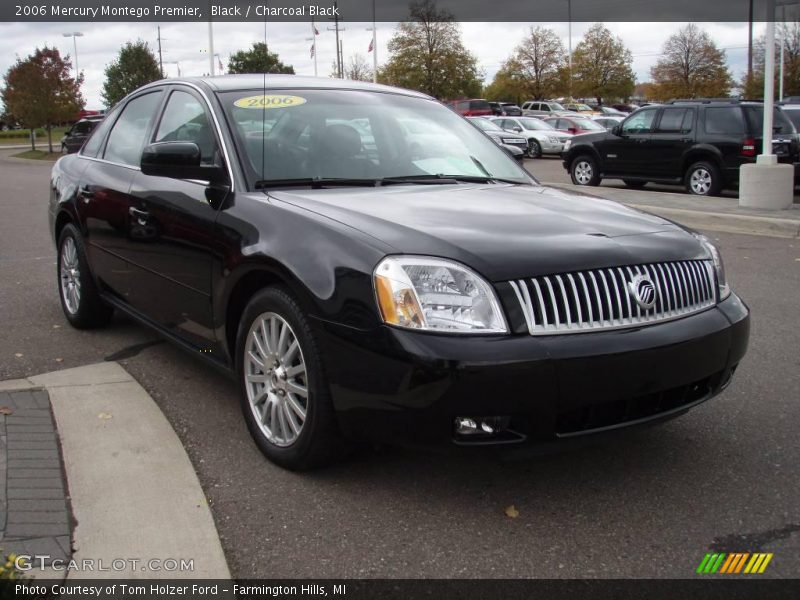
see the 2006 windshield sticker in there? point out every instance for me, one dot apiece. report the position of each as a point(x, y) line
point(269, 101)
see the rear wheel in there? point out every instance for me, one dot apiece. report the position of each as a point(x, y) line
point(634, 185)
point(80, 300)
point(284, 393)
point(584, 171)
point(703, 179)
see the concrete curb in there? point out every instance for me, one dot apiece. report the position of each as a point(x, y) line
point(727, 222)
point(135, 495)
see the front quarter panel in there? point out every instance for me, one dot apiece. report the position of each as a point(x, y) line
point(328, 265)
point(64, 180)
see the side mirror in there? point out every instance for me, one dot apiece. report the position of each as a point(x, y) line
point(178, 160)
point(518, 129)
point(616, 130)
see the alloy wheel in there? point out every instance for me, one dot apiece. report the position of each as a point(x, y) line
point(583, 172)
point(700, 181)
point(276, 379)
point(70, 276)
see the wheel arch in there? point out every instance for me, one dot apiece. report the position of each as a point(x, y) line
point(701, 153)
point(577, 151)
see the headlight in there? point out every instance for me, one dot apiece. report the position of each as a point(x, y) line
point(719, 266)
point(553, 140)
point(432, 294)
point(567, 145)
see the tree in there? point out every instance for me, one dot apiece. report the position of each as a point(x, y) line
point(356, 68)
point(790, 34)
point(692, 66)
point(134, 66)
point(539, 62)
point(257, 59)
point(39, 91)
point(426, 54)
point(601, 66)
point(507, 84)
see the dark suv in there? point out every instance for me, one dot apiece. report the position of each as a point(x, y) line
point(77, 134)
point(700, 143)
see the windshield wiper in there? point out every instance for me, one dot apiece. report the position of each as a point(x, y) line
point(315, 182)
point(442, 178)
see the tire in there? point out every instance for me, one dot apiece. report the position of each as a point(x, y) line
point(80, 299)
point(703, 179)
point(534, 149)
point(293, 431)
point(583, 171)
point(633, 184)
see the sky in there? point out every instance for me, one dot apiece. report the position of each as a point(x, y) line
point(185, 45)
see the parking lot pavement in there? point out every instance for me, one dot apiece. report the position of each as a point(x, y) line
point(550, 169)
point(649, 504)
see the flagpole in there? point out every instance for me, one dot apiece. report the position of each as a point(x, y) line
point(374, 46)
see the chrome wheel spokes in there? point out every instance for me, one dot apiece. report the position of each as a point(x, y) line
point(276, 379)
point(701, 181)
point(70, 276)
point(583, 172)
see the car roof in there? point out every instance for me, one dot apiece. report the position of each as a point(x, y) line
point(255, 82)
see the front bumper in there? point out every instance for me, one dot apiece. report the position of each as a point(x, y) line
point(390, 384)
point(549, 147)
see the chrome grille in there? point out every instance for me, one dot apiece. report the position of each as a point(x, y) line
point(601, 299)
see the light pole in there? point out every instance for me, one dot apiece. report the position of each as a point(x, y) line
point(569, 56)
point(74, 35)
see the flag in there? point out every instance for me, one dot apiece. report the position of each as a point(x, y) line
point(371, 42)
point(316, 31)
point(312, 50)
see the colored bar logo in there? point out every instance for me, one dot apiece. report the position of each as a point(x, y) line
point(734, 563)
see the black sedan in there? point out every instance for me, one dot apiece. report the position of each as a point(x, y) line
point(281, 229)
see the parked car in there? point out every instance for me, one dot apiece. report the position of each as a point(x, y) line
point(77, 134)
point(607, 111)
point(471, 108)
point(354, 293)
point(539, 109)
point(793, 112)
point(575, 125)
point(500, 135)
point(624, 108)
point(700, 143)
point(581, 109)
point(514, 152)
point(608, 122)
point(541, 137)
point(502, 109)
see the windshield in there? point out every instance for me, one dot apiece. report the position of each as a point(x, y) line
point(556, 106)
point(588, 124)
point(486, 125)
point(535, 125)
point(358, 135)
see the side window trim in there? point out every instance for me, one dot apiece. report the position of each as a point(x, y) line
point(171, 90)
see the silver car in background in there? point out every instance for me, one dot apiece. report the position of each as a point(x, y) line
point(542, 138)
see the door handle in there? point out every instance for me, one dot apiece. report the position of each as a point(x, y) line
point(140, 215)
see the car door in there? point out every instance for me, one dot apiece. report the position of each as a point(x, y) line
point(103, 192)
point(671, 138)
point(622, 154)
point(171, 244)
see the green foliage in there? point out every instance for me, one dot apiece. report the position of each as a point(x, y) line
point(257, 59)
point(135, 66)
point(39, 91)
point(692, 67)
point(602, 66)
point(426, 54)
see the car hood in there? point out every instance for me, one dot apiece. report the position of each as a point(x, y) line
point(502, 231)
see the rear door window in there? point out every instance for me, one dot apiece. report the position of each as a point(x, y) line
point(127, 137)
point(780, 122)
point(676, 120)
point(725, 120)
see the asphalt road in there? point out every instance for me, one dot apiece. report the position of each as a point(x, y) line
point(550, 169)
point(648, 504)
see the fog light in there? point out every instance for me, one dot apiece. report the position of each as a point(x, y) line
point(484, 426)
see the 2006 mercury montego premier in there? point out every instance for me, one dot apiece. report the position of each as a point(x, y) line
point(360, 282)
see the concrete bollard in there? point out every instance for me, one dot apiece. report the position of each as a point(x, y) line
point(767, 186)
